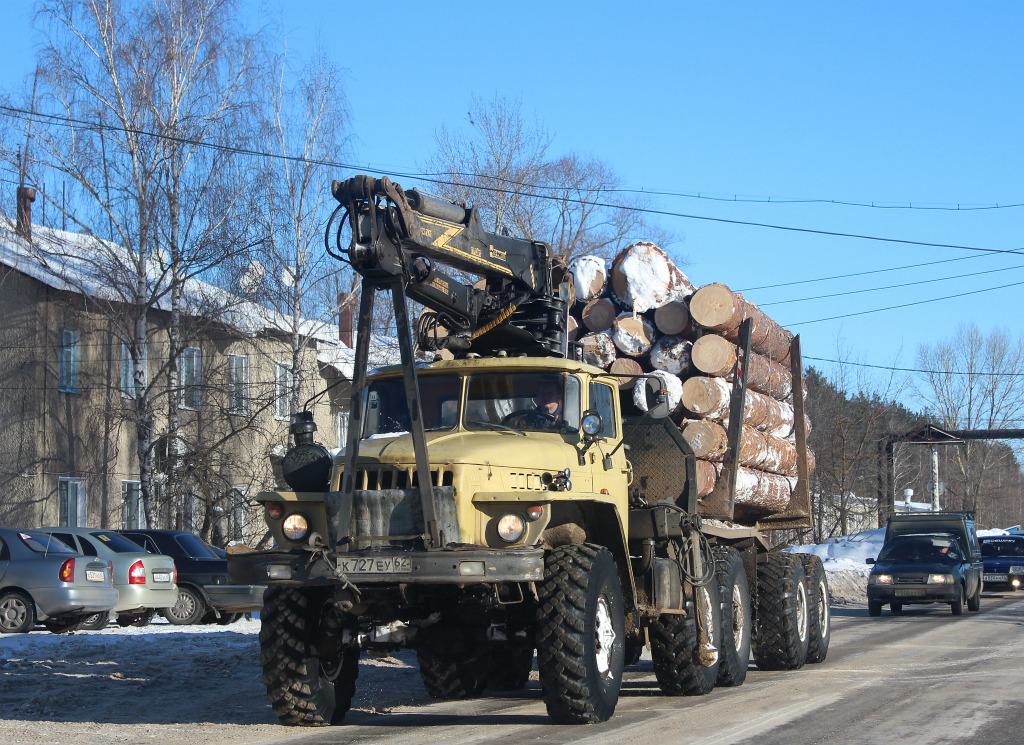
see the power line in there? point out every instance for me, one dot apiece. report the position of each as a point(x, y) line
point(892, 287)
point(65, 120)
point(986, 374)
point(904, 305)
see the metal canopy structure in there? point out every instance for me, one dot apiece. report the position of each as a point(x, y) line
point(931, 435)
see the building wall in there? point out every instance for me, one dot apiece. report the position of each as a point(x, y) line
point(88, 438)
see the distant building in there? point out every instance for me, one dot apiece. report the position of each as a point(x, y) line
point(68, 448)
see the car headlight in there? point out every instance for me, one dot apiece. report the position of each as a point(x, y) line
point(880, 579)
point(1016, 570)
point(940, 579)
point(511, 527)
point(295, 527)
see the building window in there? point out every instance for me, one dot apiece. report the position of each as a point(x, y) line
point(191, 374)
point(282, 390)
point(238, 384)
point(132, 514)
point(238, 513)
point(128, 389)
point(71, 503)
point(342, 428)
point(68, 367)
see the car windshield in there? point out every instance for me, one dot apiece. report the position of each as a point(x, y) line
point(921, 548)
point(387, 412)
point(523, 401)
point(1002, 547)
point(44, 543)
point(117, 543)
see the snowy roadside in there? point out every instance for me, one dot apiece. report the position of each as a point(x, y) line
point(176, 685)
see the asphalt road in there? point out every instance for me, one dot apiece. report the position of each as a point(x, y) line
point(920, 678)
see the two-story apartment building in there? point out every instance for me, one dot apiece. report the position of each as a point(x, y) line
point(69, 404)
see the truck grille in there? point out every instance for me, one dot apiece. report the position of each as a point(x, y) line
point(391, 518)
point(391, 477)
point(531, 481)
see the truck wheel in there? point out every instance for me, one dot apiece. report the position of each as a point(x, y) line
point(734, 651)
point(580, 634)
point(452, 681)
point(189, 608)
point(957, 606)
point(819, 607)
point(509, 666)
point(782, 630)
point(310, 678)
point(974, 601)
point(17, 613)
point(675, 647)
point(874, 608)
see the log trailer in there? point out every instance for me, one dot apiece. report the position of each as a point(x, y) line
point(477, 525)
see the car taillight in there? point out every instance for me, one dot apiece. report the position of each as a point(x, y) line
point(67, 571)
point(175, 574)
point(137, 574)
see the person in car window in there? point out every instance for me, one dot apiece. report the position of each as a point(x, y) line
point(549, 401)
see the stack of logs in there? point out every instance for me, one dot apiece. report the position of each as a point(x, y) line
point(640, 314)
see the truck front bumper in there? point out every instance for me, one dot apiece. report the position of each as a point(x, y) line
point(450, 566)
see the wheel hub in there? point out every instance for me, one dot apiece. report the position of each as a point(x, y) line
point(604, 637)
point(739, 618)
point(802, 619)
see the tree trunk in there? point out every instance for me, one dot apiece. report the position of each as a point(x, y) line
point(599, 314)
point(633, 334)
point(643, 277)
point(589, 278)
point(628, 370)
point(671, 354)
point(673, 318)
point(714, 355)
point(597, 349)
point(717, 308)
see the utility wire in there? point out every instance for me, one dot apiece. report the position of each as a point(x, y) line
point(981, 374)
point(22, 113)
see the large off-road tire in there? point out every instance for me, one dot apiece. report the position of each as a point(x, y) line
point(675, 642)
point(509, 666)
point(580, 634)
point(310, 679)
point(782, 631)
point(957, 606)
point(819, 607)
point(974, 601)
point(17, 613)
point(189, 608)
point(734, 650)
point(96, 622)
point(450, 680)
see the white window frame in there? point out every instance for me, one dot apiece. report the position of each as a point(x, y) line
point(238, 384)
point(282, 391)
point(67, 372)
point(190, 375)
point(131, 502)
point(128, 389)
point(72, 502)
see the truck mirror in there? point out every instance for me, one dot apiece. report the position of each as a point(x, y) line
point(869, 561)
point(654, 396)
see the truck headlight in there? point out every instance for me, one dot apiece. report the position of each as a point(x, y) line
point(880, 579)
point(295, 527)
point(511, 527)
point(940, 579)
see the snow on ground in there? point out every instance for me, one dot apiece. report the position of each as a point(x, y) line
point(176, 685)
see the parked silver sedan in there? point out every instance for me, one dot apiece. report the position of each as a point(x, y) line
point(145, 582)
point(41, 579)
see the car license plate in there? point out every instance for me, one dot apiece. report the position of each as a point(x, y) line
point(375, 565)
point(161, 577)
point(910, 593)
point(93, 575)
point(997, 577)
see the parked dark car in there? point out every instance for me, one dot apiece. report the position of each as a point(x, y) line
point(205, 594)
point(920, 569)
point(42, 579)
point(1004, 561)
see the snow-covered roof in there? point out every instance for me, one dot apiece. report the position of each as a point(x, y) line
point(79, 263)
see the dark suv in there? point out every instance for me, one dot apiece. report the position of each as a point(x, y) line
point(204, 592)
point(1004, 561)
point(924, 568)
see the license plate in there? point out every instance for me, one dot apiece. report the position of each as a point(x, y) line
point(376, 565)
point(161, 577)
point(910, 593)
point(997, 577)
point(93, 576)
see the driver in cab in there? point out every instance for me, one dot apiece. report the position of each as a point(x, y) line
point(549, 405)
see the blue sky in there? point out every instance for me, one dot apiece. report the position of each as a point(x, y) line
point(893, 103)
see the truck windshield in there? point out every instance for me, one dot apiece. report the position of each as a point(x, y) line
point(388, 414)
point(525, 401)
